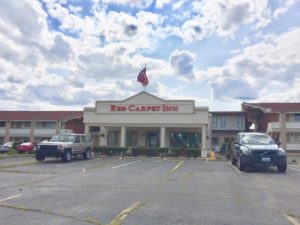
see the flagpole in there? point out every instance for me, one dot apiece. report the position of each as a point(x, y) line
point(146, 73)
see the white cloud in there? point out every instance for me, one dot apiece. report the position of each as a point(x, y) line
point(182, 63)
point(131, 3)
point(259, 68)
point(161, 3)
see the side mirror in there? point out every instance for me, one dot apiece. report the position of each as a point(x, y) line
point(278, 143)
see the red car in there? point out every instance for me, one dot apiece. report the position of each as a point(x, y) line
point(26, 147)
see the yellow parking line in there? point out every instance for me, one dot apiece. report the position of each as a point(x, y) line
point(236, 169)
point(120, 218)
point(177, 166)
point(291, 219)
point(11, 197)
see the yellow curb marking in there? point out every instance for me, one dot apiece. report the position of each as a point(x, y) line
point(236, 169)
point(120, 218)
point(291, 219)
point(11, 197)
point(177, 166)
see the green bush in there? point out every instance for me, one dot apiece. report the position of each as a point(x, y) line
point(110, 150)
point(12, 151)
point(193, 152)
point(149, 151)
point(187, 152)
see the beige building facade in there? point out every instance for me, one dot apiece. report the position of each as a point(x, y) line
point(145, 120)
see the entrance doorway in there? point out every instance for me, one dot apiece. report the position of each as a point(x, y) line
point(152, 139)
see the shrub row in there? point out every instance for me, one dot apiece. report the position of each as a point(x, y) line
point(188, 152)
point(148, 151)
point(108, 150)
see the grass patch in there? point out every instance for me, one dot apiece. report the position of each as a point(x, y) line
point(12, 151)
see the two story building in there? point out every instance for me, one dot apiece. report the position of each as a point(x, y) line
point(225, 125)
point(280, 120)
point(35, 126)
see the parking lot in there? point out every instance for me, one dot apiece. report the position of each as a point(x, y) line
point(145, 191)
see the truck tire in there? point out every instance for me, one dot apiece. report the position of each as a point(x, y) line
point(40, 157)
point(87, 154)
point(281, 168)
point(67, 156)
point(233, 160)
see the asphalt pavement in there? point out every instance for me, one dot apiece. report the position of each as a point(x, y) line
point(146, 191)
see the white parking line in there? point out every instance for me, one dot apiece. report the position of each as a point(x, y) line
point(11, 197)
point(236, 169)
point(295, 169)
point(126, 164)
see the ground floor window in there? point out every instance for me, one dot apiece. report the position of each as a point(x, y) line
point(113, 138)
point(185, 139)
point(132, 138)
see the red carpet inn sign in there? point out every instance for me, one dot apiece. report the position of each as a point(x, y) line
point(143, 108)
point(146, 120)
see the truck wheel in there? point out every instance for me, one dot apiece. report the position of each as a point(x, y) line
point(87, 154)
point(67, 156)
point(233, 160)
point(281, 168)
point(39, 157)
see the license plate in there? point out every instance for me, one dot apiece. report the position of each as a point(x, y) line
point(266, 159)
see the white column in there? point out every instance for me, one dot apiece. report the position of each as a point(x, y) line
point(162, 137)
point(103, 136)
point(86, 129)
point(123, 136)
point(203, 138)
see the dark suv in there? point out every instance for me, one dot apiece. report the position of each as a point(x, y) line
point(65, 145)
point(257, 148)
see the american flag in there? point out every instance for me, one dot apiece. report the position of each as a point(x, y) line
point(142, 78)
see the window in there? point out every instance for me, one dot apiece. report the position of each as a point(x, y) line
point(215, 122)
point(132, 138)
point(20, 124)
point(2, 123)
point(83, 140)
point(240, 122)
point(223, 122)
point(185, 139)
point(94, 129)
point(45, 125)
point(113, 138)
point(297, 117)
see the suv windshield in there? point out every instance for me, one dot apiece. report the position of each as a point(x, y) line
point(63, 138)
point(257, 139)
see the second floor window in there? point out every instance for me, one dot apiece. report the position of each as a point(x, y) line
point(20, 124)
point(45, 125)
point(223, 122)
point(215, 122)
point(240, 122)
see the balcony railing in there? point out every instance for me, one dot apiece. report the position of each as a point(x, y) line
point(290, 126)
point(292, 147)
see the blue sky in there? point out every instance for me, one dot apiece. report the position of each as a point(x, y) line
point(65, 55)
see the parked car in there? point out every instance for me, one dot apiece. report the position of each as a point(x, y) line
point(26, 147)
point(64, 146)
point(5, 147)
point(257, 148)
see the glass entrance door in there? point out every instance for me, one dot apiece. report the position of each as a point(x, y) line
point(153, 139)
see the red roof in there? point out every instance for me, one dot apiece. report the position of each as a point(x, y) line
point(40, 115)
point(276, 106)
